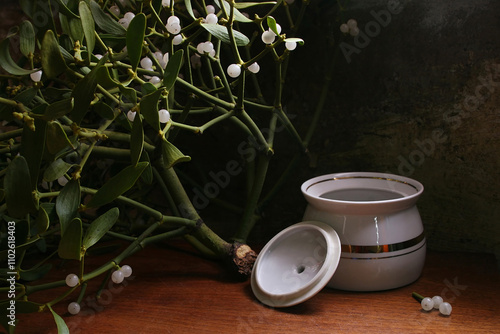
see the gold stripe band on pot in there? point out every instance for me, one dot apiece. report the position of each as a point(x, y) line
point(378, 257)
point(357, 249)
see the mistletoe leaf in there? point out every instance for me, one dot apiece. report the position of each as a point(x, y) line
point(221, 33)
point(147, 175)
point(105, 22)
point(58, 109)
point(32, 150)
point(129, 93)
point(136, 140)
point(88, 26)
point(67, 203)
point(83, 92)
point(70, 246)
point(243, 5)
point(172, 155)
point(42, 220)
point(57, 139)
point(105, 80)
point(65, 10)
point(135, 39)
point(56, 169)
point(75, 29)
point(104, 110)
point(172, 69)
point(27, 38)
point(271, 23)
point(18, 191)
point(99, 227)
point(149, 109)
point(53, 62)
point(62, 328)
point(299, 41)
point(237, 14)
point(117, 185)
point(7, 63)
point(189, 8)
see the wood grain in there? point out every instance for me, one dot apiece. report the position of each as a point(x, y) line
point(174, 291)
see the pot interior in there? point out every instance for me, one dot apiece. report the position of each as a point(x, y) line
point(361, 195)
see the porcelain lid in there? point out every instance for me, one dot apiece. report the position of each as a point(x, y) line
point(296, 264)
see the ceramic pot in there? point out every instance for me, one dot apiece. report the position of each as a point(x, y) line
point(379, 226)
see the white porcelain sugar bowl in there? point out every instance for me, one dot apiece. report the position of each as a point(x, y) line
point(379, 226)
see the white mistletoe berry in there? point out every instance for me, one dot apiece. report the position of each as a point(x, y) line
point(117, 277)
point(72, 280)
point(126, 270)
point(164, 117)
point(254, 68)
point(131, 115)
point(36, 76)
point(234, 70)
point(268, 36)
point(291, 45)
point(74, 308)
point(211, 18)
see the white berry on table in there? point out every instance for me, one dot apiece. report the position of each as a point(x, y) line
point(445, 308)
point(438, 300)
point(427, 304)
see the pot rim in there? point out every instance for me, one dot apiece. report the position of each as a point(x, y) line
point(411, 184)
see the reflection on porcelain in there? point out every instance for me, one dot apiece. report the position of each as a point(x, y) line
point(378, 223)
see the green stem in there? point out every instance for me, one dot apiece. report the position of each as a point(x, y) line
point(170, 201)
point(418, 297)
point(202, 232)
point(248, 121)
point(167, 235)
point(205, 95)
point(215, 121)
point(281, 180)
point(11, 134)
point(230, 31)
point(225, 83)
point(82, 293)
point(248, 220)
point(61, 297)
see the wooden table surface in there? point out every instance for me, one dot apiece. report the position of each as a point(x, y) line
point(174, 291)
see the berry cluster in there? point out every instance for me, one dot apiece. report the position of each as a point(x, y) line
point(436, 302)
point(117, 277)
point(351, 27)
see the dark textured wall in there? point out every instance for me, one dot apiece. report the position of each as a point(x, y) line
point(421, 98)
